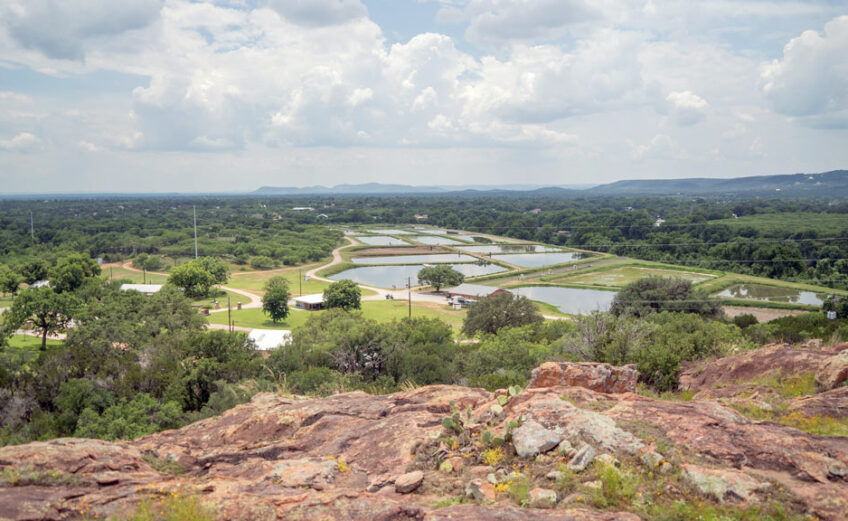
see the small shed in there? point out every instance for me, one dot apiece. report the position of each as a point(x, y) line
point(312, 302)
point(40, 284)
point(473, 291)
point(144, 289)
point(270, 339)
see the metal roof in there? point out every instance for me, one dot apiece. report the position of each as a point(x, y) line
point(142, 288)
point(315, 298)
point(477, 290)
point(268, 339)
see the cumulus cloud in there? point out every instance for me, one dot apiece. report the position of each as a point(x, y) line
point(319, 12)
point(20, 143)
point(63, 29)
point(496, 22)
point(810, 81)
point(687, 108)
point(661, 146)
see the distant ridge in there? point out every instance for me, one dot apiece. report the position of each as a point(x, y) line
point(834, 183)
point(825, 184)
point(379, 188)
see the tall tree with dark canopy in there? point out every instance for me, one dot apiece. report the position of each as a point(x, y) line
point(344, 294)
point(655, 294)
point(441, 275)
point(71, 271)
point(500, 310)
point(50, 312)
point(275, 302)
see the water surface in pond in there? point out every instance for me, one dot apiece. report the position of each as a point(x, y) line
point(510, 248)
point(415, 259)
point(773, 294)
point(535, 260)
point(396, 276)
point(392, 232)
point(574, 301)
point(381, 240)
point(429, 239)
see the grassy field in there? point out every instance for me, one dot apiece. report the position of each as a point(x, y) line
point(621, 277)
point(30, 343)
point(254, 281)
point(119, 273)
point(826, 224)
point(221, 296)
point(381, 311)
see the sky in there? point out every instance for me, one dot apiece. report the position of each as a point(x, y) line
point(230, 95)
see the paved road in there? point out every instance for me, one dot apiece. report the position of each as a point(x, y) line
point(254, 301)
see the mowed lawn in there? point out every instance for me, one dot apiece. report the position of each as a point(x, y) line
point(621, 277)
point(30, 343)
point(254, 281)
point(120, 273)
point(379, 310)
point(24, 349)
point(221, 296)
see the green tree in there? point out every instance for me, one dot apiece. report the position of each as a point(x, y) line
point(192, 278)
point(656, 294)
point(9, 280)
point(127, 420)
point(441, 275)
point(33, 270)
point(344, 294)
point(147, 262)
point(71, 271)
point(51, 312)
point(216, 266)
point(262, 262)
point(500, 310)
point(275, 302)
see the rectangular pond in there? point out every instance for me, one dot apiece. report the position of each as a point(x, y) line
point(392, 232)
point(574, 301)
point(381, 240)
point(415, 259)
point(396, 276)
point(536, 260)
point(429, 239)
point(510, 248)
point(773, 294)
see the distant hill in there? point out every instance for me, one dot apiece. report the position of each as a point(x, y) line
point(379, 188)
point(827, 184)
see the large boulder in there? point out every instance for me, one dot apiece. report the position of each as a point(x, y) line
point(723, 484)
point(341, 458)
point(603, 378)
point(833, 403)
point(532, 438)
point(768, 361)
point(833, 372)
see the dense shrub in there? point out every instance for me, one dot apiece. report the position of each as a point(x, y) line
point(657, 294)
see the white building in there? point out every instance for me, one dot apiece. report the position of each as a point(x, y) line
point(145, 289)
point(312, 302)
point(270, 339)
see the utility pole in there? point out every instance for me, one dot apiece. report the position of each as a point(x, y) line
point(194, 211)
point(409, 287)
point(229, 314)
point(299, 283)
point(145, 275)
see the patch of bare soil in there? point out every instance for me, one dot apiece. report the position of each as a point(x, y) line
point(762, 314)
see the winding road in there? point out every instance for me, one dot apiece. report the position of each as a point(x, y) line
point(255, 301)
